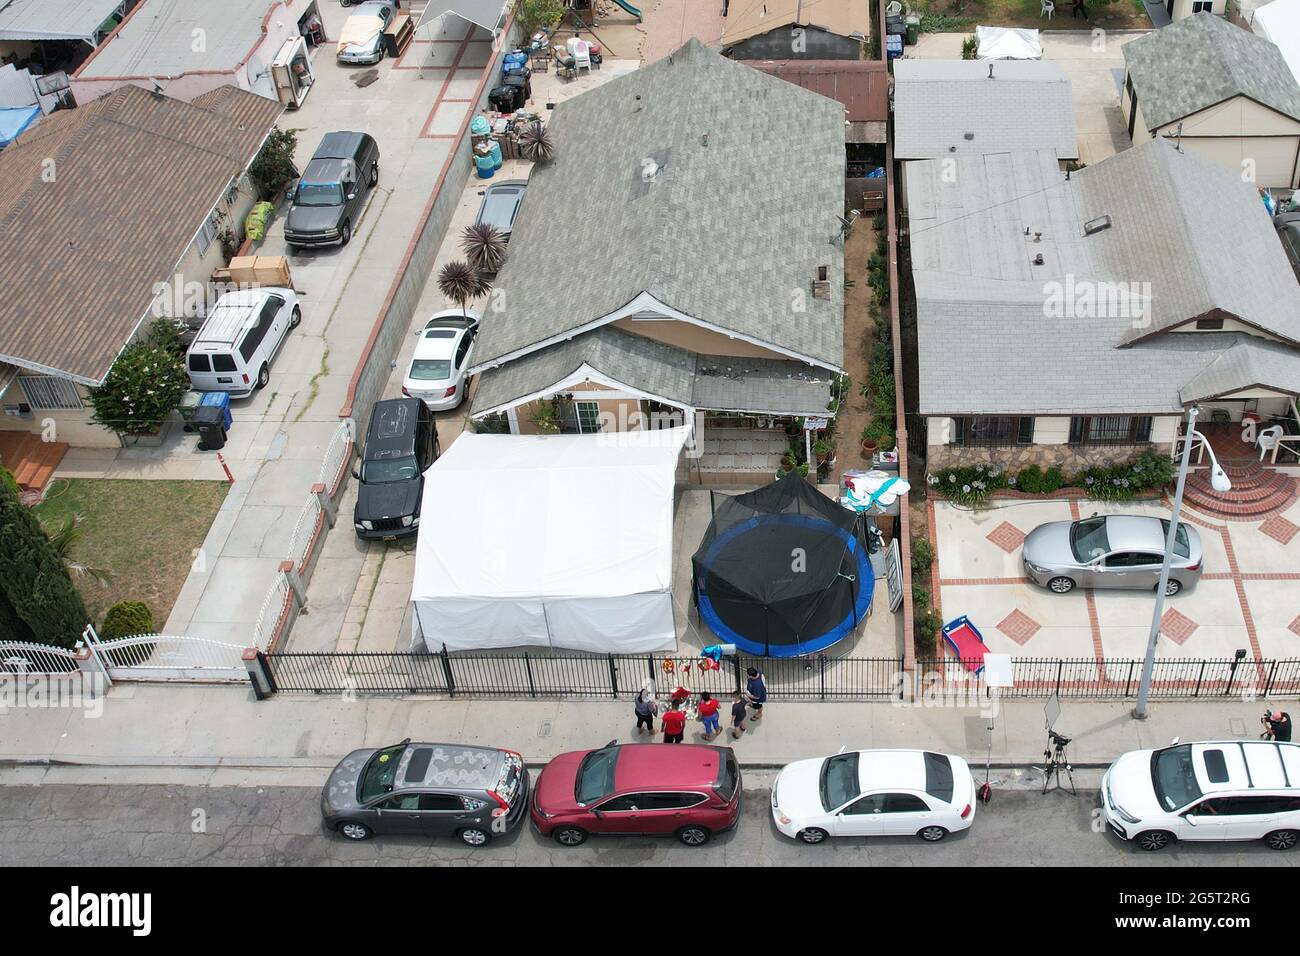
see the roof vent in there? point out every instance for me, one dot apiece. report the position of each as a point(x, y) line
point(1094, 226)
point(1038, 259)
point(968, 136)
point(821, 287)
point(991, 76)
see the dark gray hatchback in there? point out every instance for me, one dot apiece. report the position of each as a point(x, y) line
point(475, 793)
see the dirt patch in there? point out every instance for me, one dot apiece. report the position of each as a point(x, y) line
point(1114, 15)
point(859, 333)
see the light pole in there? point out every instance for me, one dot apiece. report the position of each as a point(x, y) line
point(1219, 482)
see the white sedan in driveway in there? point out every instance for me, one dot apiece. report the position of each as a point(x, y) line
point(436, 374)
point(874, 793)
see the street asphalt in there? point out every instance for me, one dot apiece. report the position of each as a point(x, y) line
point(111, 825)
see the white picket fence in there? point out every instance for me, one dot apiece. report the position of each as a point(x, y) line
point(166, 657)
point(21, 659)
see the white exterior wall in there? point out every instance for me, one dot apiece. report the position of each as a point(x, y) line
point(1244, 136)
point(1053, 430)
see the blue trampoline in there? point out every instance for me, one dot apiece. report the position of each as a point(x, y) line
point(783, 571)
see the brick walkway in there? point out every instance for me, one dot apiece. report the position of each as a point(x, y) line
point(672, 22)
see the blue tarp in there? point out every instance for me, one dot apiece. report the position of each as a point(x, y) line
point(15, 119)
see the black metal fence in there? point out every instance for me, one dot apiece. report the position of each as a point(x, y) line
point(613, 676)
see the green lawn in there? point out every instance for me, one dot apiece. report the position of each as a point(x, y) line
point(1113, 15)
point(143, 533)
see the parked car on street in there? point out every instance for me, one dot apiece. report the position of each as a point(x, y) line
point(690, 790)
point(331, 193)
point(874, 793)
point(362, 38)
point(500, 206)
point(1213, 791)
point(436, 375)
point(240, 337)
point(401, 444)
point(474, 793)
point(1288, 231)
point(1110, 551)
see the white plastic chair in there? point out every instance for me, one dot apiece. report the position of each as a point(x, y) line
point(1267, 439)
point(580, 50)
point(893, 8)
point(1048, 9)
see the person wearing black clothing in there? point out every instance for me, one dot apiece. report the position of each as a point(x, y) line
point(1079, 10)
point(1280, 725)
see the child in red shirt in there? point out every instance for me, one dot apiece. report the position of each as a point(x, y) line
point(709, 715)
point(674, 721)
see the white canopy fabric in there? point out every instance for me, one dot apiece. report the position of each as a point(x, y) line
point(54, 19)
point(555, 540)
point(489, 14)
point(1279, 21)
point(1006, 43)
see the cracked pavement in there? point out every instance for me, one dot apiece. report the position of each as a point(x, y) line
point(114, 825)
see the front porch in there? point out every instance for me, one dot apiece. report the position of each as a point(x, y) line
point(1261, 456)
point(735, 453)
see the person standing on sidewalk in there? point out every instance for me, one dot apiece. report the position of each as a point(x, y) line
point(709, 715)
point(738, 714)
point(674, 725)
point(645, 709)
point(756, 691)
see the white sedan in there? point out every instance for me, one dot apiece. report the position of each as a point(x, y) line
point(436, 374)
point(874, 793)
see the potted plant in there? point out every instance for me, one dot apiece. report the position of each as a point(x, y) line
point(545, 419)
point(823, 449)
point(869, 444)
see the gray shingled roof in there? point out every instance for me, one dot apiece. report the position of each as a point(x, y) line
point(1250, 362)
point(1203, 60)
point(986, 341)
point(730, 230)
point(718, 383)
point(1026, 105)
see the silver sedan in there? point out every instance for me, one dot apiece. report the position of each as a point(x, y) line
point(1111, 551)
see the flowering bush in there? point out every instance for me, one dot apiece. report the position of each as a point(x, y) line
point(144, 385)
point(1122, 481)
point(1118, 482)
point(969, 485)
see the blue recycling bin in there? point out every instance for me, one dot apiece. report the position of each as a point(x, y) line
point(219, 400)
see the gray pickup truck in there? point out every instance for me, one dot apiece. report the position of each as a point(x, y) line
point(332, 191)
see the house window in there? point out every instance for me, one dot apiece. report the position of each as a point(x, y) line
point(1202, 5)
point(588, 417)
point(993, 430)
point(1110, 429)
point(47, 393)
point(207, 234)
point(1209, 325)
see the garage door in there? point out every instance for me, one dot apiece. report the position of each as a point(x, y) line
point(1274, 156)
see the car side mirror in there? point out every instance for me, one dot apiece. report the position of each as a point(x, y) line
point(597, 814)
point(352, 196)
point(355, 473)
point(1190, 818)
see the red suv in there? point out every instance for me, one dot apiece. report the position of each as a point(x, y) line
point(691, 790)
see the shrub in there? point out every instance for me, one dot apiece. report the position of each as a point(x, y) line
point(925, 633)
point(127, 619)
point(1148, 471)
point(922, 555)
point(969, 48)
point(968, 484)
point(273, 165)
point(1035, 481)
point(920, 597)
point(532, 15)
point(37, 599)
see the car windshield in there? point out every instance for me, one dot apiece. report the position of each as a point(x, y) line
point(430, 370)
point(378, 776)
point(596, 776)
point(389, 469)
point(1088, 539)
point(839, 782)
point(318, 194)
point(1174, 778)
point(1182, 547)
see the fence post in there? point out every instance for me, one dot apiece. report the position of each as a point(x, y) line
point(91, 666)
point(290, 571)
point(1128, 680)
point(613, 675)
point(259, 673)
point(528, 666)
point(326, 503)
point(1060, 665)
point(735, 667)
point(1200, 677)
point(91, 638)
point(446, 669)
point(1268, 681)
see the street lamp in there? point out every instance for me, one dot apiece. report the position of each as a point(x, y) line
point(1219, 482)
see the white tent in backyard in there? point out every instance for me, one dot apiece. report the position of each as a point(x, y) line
point(1007, 43)
point(554, 540)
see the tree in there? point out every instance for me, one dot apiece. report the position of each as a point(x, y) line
point(460, 282)
point(273, 166)
point(483, 246)
point(34, 582)
point(537, 143)
point(145, 384)
point(532, 15)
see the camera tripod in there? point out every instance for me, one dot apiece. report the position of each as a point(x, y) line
point(1055, 761)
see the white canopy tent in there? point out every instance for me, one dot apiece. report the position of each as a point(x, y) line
point(553, 540)
point(1279, 21)
point(56, 19)
point(488, 14)
point(1006, 43)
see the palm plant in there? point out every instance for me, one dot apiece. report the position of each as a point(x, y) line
point(460, 282)
point(536, 143)
point(484, 246)
point(63, 538)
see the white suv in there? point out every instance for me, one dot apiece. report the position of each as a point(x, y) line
point(1213, 791)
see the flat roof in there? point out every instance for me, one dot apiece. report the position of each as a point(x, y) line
point(54, 19)
point(157, 39)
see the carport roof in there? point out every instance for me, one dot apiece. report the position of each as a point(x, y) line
point(55, 19)
point(487, 14)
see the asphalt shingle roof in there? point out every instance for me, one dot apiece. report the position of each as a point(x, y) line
point(991, 339)
point(135, 177)
point(937, 103)
point(730, 230)
point(1203, 60)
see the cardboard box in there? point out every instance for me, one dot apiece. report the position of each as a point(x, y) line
point(261, 270)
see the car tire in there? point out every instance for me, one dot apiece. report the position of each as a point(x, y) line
point(474, 836)
point(812, 836)
point(345, 234)
point(570, 836)
point(1172, 587)
point(295, 317)
point(353, 830)
point(1282, 840)
point(1153, 840)
point(374, 175)
point(932, 834)
point(263, 376)
point(694, 836)
point(1060, 585)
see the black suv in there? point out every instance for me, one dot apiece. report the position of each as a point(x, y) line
point(401, 443)
point(332, 190)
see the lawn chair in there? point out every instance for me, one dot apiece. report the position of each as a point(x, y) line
point(1048, 9)
point(580, 50)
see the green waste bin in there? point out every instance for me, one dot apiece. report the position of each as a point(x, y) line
point(913, 30)
point(189, 403)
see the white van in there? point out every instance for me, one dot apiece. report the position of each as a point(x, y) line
point(243, 332)
point(1215, 791)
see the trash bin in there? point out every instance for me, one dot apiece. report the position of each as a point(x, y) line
point(189, 404)
point(219, 400)
point(913, 30)
point(209, 423)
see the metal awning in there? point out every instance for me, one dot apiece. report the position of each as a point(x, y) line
point(488, 14)
point(56, 19)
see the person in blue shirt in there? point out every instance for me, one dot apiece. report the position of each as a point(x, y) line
point(756, 691)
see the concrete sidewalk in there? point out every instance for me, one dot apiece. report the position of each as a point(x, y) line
point(179, 728)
